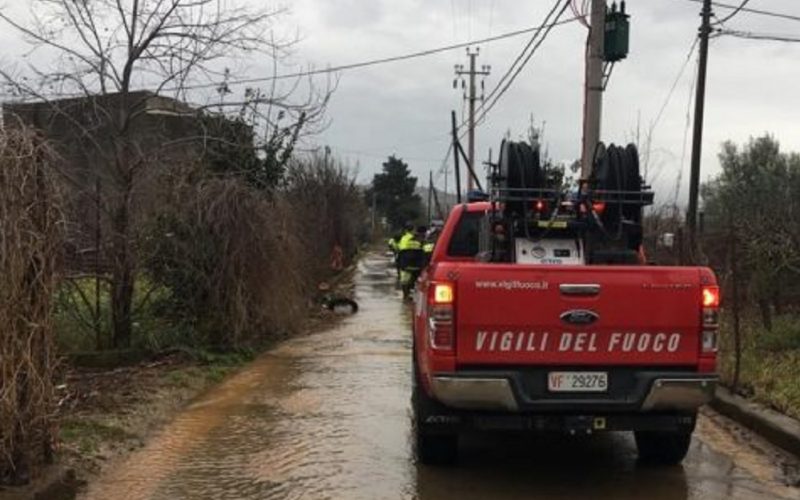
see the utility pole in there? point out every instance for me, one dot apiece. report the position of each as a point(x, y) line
point(455, 156)
point(697, 138)
point(593, 90)
point(446, 168)
point(430, 194)
point(471, 97)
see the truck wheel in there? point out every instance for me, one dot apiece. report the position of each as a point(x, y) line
point(663, 448)
point(436, 449)
point(431, 448)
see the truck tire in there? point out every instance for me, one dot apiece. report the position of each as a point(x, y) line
point(663, 448)
point(430, 447)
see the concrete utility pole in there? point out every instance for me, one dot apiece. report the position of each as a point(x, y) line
point(472, 97)
point(593, 91)
point(697, 138)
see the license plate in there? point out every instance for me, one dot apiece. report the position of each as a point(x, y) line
point(577, 381)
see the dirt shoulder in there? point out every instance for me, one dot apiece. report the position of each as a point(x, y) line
point(107, 413)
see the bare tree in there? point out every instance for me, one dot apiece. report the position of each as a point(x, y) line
point(104, 53)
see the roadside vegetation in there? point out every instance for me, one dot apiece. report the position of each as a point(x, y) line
point(750, 236)
point(170, 232)
point(769, 367)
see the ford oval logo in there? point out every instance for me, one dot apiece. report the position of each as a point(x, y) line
point(580, 317)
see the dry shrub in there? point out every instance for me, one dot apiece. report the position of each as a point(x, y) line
point(228, 255)
point(241, 263)
point(329, 209)
point(31, 238)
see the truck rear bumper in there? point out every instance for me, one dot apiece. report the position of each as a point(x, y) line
point(511, 392)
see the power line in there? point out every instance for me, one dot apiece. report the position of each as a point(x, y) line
point(688, 124)
point(345, 67)
point(732, 14)
point(749, 10)
point(759, 36)
point(674, 85)
point(546, 24)
point(522, 54)
point(373, 62)
point(486, 109)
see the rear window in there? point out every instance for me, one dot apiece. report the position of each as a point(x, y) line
point(465, 241)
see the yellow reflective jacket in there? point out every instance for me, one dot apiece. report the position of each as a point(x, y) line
point(409, 241)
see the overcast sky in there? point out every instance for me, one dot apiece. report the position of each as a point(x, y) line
point(404, 108)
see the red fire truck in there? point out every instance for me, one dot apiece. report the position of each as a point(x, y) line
point(539, 312)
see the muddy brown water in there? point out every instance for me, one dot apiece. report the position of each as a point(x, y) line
point(328, 416)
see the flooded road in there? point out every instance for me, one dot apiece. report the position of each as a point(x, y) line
point(328, 416)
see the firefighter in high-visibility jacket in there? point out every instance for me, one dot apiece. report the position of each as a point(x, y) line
point(411, 259)
point(394, 246)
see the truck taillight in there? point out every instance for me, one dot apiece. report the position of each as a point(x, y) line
point(710, 318)
point(441, 316)
point(442, 293)
point(710, 296)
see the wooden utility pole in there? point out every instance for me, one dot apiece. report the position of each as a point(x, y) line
point(593, 91)
point(697, 138)
point(430, 194)
point(446, 168)
point(472, 97)
point(455, 156)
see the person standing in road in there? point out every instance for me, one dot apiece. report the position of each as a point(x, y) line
point(411, 258)
point(394, 247)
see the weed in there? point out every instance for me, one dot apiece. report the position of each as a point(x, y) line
point(87, 434)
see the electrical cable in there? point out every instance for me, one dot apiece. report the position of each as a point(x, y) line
point(579, 13)
point(732, 14)
point(347, 67)
point(767, 13)
point(674, 85)
point(758, 36)
point(384, 60)
point(686, 128)
point(486, 109)
point(521, 55)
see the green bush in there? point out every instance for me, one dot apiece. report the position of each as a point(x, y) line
point(785, 334)
point(770, 362)
point(83, 323)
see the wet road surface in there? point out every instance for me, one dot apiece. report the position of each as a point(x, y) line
point(328, 416)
